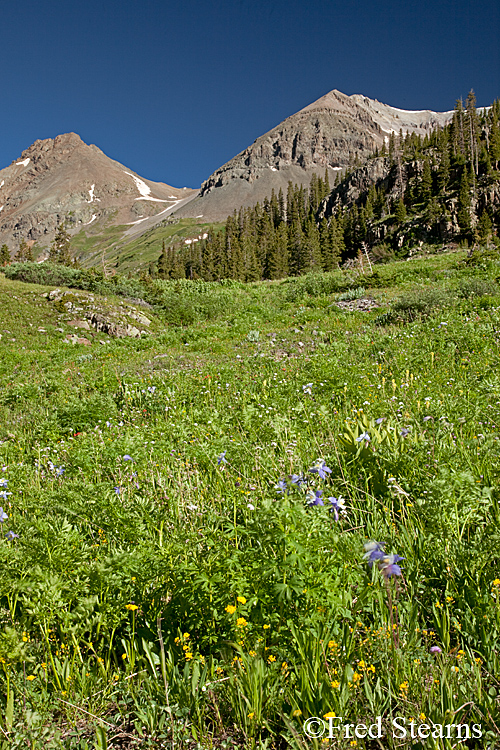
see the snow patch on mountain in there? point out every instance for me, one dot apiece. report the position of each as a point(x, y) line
point(23, 163)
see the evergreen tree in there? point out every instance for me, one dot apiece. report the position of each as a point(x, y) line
point(464, 204)
point(484, 227)
point(24, 253)
point(400, 212)
point(4, 255)
point(426, 183)
point(60, 250)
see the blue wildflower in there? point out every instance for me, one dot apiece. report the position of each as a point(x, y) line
point(151, 388)
point(281, 487)
point(389, 565)
point(10, 536)
point(221, 459)
point(338, 507)
point(404, 432)
point(298, 480)
point(320, 468)
point(314, 498)
point(364, 436)
point(117, 490)
point(426, 419)
point(307, 388)
point(126, 457)
point(3, 482)
point(374, 551)
point(4, 494)
point(379, 420)
point(3, 515)
point(60, 471)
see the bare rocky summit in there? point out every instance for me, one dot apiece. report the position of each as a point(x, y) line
point(328, 134)
point(65, 180)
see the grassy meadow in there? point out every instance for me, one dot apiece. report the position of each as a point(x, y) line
point(184, 516)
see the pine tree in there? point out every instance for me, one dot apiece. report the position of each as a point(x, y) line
point(463, 213)
point(484, 227)
point(60, 250)
point(163, 269)
point(24, 253)
point(426, 183)
point(4, 255)
point(400, 212)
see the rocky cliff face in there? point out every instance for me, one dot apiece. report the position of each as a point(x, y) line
point(327, 134)
point(65, 180)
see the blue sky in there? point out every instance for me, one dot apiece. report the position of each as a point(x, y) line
point(174, 89)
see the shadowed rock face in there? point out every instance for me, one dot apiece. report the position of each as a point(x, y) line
point(64, 179)
point(327, 134)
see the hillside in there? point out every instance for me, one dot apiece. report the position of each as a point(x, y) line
point(280, 499)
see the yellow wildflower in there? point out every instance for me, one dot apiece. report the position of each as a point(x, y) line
point(422, 717)
point(241, 599)
point(31, 677)
point(271, 658)
point(335, 684)
point(188, 655)
point(131, 607)
point(266, 627)
point(230, 609)
point(251, 714)
point(297, 712)
point(241, 622)
point(330, 715)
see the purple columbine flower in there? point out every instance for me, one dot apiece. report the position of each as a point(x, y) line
point(374, 551)
point(338, 506)
point(281, 487)
point(389, 565)
point(314, 498)
point(3, 515)
point(435, 650)
point(3, 482)
point(60, 471)
point(298, 480)
point(221, 459)
point(126, 457)
point(4, 495)
point(364, 436)
point(320, 468)
point(10, 536)
point(117, 490)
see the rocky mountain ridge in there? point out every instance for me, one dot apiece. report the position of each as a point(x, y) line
point(65, 180)
point(331, 133)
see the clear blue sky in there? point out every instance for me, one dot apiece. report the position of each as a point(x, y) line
point(175, 89)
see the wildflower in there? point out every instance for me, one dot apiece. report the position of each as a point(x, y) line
point(314, 498)
point(426, 419)
point(250, 506)
point(307, 388)
point(435, 650)
point(241, 622)
point(188, 655)
point(117, 489)
point(320, 468)
point(404, 687)
point(389, 567)
point(379, 420)
point(422, 717)
point(10, 536)
point(298, 480)
point(31, 677)
point(4, 495)
point(335, 684)
point(131, 607)
point(230, 609)
point(251, 714)
point(374, 551)
point(281, 487)
point(330, 715)
point(252, 653)
point(126, 457)
point(3, 515)
point(271, 658)
point(363, 436)
point(60, 471)
point(3, 482)
point(404, 432)
point(241, 599)
point(266, 627)
point(496, 582)
point(297, 712)
point(221, 458)
point(338, 507)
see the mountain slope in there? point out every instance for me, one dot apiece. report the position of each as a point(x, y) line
point(64, 179)
point(331, 133)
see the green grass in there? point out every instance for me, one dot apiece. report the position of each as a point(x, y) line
point(173, 598)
